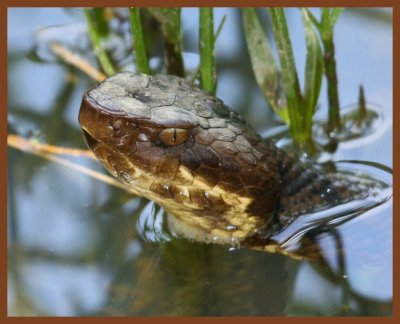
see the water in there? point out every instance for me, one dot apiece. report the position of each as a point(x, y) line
point(80, 247)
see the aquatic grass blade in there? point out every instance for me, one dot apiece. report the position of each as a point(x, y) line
point(263, 62)
point(220, 26)
point(335, 14)
point(99, 18)
point(313, 19)
point(95, 38)
point(329, 17)
point(328, 20)
point(170, 21)
point(325, 27)
point(362, 107)
point(289, 73)
point(196, 72)
point(139, 45)
point(325, 20)
point(207, 54)
point(313, 72)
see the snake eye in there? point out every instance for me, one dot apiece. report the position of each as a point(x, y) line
point(173, 136)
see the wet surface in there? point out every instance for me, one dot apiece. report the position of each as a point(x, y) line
point(80, 247)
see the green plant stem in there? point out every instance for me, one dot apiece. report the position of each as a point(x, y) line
point(334, 120)
point(101, 22)
point(139, 45)
point(196, 72)
point(362, 108)
point(325, 26)
point(170, 21)
point(94, 36)
point(313, 78)
point(289, 73)
point(173, 60)
point(207, 55)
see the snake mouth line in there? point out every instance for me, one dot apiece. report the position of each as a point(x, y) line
point(90, 140)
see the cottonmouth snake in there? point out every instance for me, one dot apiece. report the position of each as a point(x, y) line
point(218, 180)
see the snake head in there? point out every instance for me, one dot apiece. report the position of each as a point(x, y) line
point(184, 149)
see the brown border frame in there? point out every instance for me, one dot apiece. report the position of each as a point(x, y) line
point(4, 4)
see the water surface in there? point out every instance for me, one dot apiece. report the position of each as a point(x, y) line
point(77, 246)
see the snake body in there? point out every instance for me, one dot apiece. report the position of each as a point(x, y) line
point(186, 150)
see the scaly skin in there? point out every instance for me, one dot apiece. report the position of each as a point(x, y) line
point(183, 148)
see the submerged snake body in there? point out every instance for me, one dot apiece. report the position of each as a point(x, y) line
point(187, 151)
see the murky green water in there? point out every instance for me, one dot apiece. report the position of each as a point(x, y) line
point(80, 247)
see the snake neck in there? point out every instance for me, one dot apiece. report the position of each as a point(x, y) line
point(308, 188)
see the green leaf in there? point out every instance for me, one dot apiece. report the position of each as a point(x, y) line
point(139, 45)
point(289, 73)
point(362, 107)
point(263, 62)
point(207, 55)
point(196, 72)
point(325, 19)
point(101, 22)
point(313, 19)
point(95, 38)
point(220, 26)
point(335, 14)
point(329, 17)
point(313, 71)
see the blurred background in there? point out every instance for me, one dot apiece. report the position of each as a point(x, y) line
point(77, 246)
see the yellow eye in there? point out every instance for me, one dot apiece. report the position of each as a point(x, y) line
point(173, 136)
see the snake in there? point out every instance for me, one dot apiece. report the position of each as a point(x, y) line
point(216, 178)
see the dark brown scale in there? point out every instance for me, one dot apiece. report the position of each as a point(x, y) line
point(298, 179)
point(190, 159)
point(207, 154)
point(212, 174)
